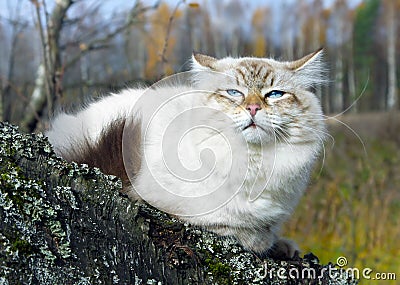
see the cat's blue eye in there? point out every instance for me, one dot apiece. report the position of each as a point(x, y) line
point(234, 92)
point(275, 94)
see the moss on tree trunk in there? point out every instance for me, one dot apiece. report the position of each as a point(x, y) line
point(63, 223)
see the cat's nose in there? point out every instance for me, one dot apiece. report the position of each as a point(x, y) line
point(253, 108)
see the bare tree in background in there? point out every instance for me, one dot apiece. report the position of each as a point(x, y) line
point(135, 47)
point(48, 80)
point(316, 28)
point(261, 19)
point(350, 67)
point(234, 9)
point(300, 21)
point(17, 26)
point(1, 83)
point(48, 87)
point(287, 30)
point(338, 18)
point(91, 50)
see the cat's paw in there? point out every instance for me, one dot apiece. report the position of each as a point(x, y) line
point(284, 249)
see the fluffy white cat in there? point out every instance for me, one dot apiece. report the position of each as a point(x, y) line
point(228, 146)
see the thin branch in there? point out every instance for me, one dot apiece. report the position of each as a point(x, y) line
point(20, 95)
point(169, 26)
point(16, 23)
point(102, 42)
point(83, 51)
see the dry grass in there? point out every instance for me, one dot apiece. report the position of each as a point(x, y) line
point(352, 208)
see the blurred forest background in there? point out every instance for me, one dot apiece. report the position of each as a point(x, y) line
point(59, 53)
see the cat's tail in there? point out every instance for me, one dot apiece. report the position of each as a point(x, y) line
point(105, 150)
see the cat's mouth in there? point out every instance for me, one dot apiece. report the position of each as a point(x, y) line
point(251, 125)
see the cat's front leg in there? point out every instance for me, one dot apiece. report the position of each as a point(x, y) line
point(283, 249)
point(266, 243)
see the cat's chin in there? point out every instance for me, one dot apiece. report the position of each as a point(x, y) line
point(256, 135)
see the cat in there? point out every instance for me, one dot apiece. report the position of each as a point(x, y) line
point(228, 146)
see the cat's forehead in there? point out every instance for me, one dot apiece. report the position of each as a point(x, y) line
point(253, 72)
point(247, 62)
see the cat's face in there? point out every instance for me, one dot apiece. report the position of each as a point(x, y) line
point(268, 101)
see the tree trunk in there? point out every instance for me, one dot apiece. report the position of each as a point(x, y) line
point(47, 93)
point(315, 36)
point(351, 79)
point(1, 102)
point(392, 96)
point(338, 94)
point(65, 223)
point(6, 93)
point(37, 102)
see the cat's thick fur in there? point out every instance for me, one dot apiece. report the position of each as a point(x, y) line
point(229, 149)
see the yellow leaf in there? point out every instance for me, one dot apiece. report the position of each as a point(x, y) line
point(83, 46)
point(194, 5)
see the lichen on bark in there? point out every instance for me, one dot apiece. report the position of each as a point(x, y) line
point(63, 223)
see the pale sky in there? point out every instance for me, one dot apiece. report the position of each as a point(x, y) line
point(8, 7)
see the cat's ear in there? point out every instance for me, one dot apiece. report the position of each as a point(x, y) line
point(203, 62)
point(308, 60)
point(310, 69)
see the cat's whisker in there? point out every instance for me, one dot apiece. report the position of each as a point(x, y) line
point(284, 135)
point(323, 157)
point(334, 118)
point(324, 133)
point(354, 132)
point(356, 100)
point(321, 140)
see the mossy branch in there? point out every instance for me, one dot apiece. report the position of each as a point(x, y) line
point(66, 223)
